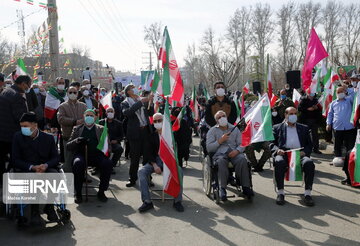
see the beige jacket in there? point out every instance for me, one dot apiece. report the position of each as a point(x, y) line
point(67, 116)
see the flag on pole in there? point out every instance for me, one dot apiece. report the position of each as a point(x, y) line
point(327, 96)
point(315, 52)
point(31, 2)
point(258, 123)
point(269, 82)
point(52, 103)
point(334, 76)
point(296, 97)
point(20, 68)
point(294, 172)
point(156, 85)
point(206, 94)
point(273, 100)
point(314, 82)
point(106, 101)
point(194, 105)
point(103, 145)
point(167, 152)
point(172, 82)
point(42, 5)
point(177, 123)
point(238, 110)
point(355, 112)
point(354, 163)
point(246, 88)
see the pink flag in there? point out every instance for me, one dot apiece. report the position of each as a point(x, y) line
point(315, 52)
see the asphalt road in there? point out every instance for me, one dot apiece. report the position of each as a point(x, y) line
point(333, 221)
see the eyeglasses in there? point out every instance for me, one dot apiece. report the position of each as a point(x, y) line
point(73, 92)
point(158, 121)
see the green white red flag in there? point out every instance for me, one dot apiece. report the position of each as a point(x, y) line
point(246, 88)
point(355, 112)
point(314, 82)
point(52, 103)
point(258, 123)
point(354, 163)
point(269, 82)
point(177, 123)
point(167, 152)
point(194, 105)
point(206, 94)
point(106, 101)
point(273, 100)
point(296, 97)
point(172, 82)
point(20, 68)
point(238, 109)
point(103, 145)
point(294, 172)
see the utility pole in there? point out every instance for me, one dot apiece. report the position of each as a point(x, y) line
point(148, 56)
point(21, 29)
point(150, 60)
point(53, 39)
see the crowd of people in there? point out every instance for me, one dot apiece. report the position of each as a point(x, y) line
point(36, 139)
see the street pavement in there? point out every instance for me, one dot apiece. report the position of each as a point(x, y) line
point(333, 221)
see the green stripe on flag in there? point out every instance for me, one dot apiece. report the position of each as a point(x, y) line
point(298, 172)
point(166, 72)
point(354, 106)
point(357, 164)
point(267, 130)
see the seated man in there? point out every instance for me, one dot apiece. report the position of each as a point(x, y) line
point(116, 135)
point(35, 151)
point(154, 165)
point(250, 153)
point(88, 134)
point(291, 135)
point(223, 140)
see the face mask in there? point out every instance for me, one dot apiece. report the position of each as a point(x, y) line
point(26, 131)
point(27, 90)
point(89, 120)
point(220, 92)
point(103, 93)
point(223, 121)
point(354, 84)
point(274, 114)
point(7, 85)
point(110, 115)
point(61, 87)
point(88, 86)
point(292, 118)
point(312, 94)
point(246, 105)
point(86, 93)
point(72, 96)
point(282, 97)
point(36, 90)
point(341, 95)
point(158, 126)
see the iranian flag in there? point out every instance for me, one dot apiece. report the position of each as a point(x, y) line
point(172, 82)
point(194, 105)
point(52, 103)
point(269, 82)
point(296, 97)
point(354, 163)
point(258, 123)
point(273, 100)
point(106, 101)
point(206, 94)
point(334, 76)
point(156, 85)
point(103, 145)
point(246, 88)
point(177, 123)
point(355, 112)
point(314, 82)
point(238, 110)
point(20, 68)
point(294, 172)
point(171, 178)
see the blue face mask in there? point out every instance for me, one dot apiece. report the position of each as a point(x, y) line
point(36, 90)
point(26, 131)
point(312, 94)
point(282, 97)
point(27, 91)
point(89, 120)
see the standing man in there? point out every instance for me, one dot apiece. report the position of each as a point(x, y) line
point(137, 130)
point(87, 74)
point(70, 114)
point(39, 110)
point(90, 102)
point(12, 106)
point(311, 116)
point(282, 104)
point(338, 120)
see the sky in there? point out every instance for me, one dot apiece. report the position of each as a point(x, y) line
point(113, 30)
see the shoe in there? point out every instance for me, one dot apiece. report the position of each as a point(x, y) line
point(145, 207)
point(78, 199)
point(101, 196)
point(178, 206)
point(151, 184)
point(280, 199)
point(223, 196)
point(130, 184)
point(249, 193)
point(308, 201)
point(232, 181)
point(50, 212)
point(317, 152)
point(345, 182)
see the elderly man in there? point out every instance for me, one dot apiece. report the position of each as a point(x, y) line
point(290, 135)
point(283, 103)
point(137, 129)
point(116, 135)
point(154, 165)
point(224, 141)
point(88, 134)
point(338, 119)
point(90, 102)
point(70, 114)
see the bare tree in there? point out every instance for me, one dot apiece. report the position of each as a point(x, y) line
point(261, 28)
point(152, 36)
point(351, 28)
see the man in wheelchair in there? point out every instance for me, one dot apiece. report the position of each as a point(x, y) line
point(292, 135)
point(224, 140)
point(35, 151)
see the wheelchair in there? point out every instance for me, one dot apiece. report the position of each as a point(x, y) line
point(20, 212)
point(211, 183)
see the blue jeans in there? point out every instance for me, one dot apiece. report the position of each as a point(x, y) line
point(144, 178)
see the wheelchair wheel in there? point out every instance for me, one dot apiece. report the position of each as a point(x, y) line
point(216, 195)
point(206, 177)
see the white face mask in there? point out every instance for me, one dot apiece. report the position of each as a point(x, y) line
point(274, 114)
point(341, 95)
point(110, 115)
point(61, 87)
point(220, 92)
point(7, 85)
point(292, 118)
point(354, 84)
point(158, 126)
point(88, 86)
point(86, 93)
point(223, 121)
point(72, 96)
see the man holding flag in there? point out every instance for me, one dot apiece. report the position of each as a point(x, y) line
point(291, 137)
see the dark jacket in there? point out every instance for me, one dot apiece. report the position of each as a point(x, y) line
point(183, 139)
point(12, 107)
point(115, 129)
point(214, 105)
point(27, 151)
point(279, 132)
point(132, 121)
point(77, 131)
point(306, 103)
point(154, 144)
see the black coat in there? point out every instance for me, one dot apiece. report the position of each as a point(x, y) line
point(154, 146)
point(279, 132)
point(214, 105)
point(12, 107)
point(115, 129)
point(40, 150)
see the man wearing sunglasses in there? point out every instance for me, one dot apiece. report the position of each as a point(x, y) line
point(70, 114)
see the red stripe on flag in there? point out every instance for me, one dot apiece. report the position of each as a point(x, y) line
point(246, 135)
point(351, 168)
point(49, 113)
